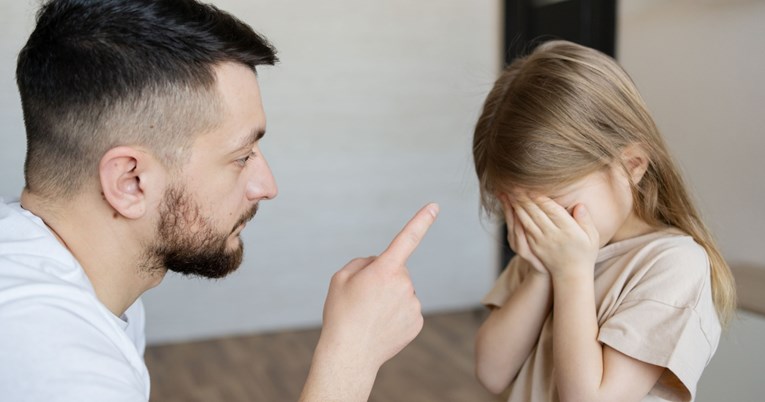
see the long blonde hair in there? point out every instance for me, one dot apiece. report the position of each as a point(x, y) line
point(565, 111)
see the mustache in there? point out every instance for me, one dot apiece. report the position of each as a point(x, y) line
point(246, 217)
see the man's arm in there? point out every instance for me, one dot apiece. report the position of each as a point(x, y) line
point(370, 314)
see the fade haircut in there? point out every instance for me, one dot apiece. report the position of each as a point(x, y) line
point(96, 74)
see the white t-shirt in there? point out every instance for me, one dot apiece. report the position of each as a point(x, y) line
point(58, 342)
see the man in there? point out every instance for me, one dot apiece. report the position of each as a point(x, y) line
point(143, 120)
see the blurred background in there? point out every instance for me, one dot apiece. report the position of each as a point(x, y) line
point(370, 115)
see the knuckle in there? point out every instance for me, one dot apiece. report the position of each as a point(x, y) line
point(398, 280)
point(417, 306)
point(339, 276)
point(419, 322)
point(407, 287)
point(412, 237)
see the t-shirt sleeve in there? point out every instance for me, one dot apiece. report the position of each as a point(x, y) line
point(507, 282)
point(668, 319)
point(53, 352)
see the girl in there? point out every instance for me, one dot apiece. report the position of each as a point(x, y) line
point(617, 291)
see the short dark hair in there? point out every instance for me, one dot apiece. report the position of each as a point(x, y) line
point(96, 74)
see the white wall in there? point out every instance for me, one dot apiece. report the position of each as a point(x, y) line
point(15, 26)
point(700, 65)
point(370, 116)
point(736, 371)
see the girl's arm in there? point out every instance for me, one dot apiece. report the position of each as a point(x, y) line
point(506, 338)
point(585, 369)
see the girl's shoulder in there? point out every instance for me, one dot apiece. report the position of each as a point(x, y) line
point(670, 245)
point(667, 266)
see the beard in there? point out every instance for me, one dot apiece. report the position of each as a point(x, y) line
point(188, 243)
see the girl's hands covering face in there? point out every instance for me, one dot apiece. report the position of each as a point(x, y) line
point(516, 238)
point(565, 245)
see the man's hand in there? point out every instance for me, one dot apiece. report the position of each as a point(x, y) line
point(370, 314)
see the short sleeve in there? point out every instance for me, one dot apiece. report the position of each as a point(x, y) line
point(668, 319)
point(507, 282)
point(59, 354)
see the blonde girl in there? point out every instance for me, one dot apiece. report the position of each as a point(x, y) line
point(618, 291)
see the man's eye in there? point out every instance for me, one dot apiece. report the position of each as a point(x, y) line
point(243, 161)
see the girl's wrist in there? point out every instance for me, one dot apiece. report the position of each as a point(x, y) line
point(535, 273)
point(574, 276)
point(539, 280)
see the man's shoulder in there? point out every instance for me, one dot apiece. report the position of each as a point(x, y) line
point(19, 228)
point(30, 254)
point(38, 293)
point(64, 348)
point(41, 283)
point(51, 316)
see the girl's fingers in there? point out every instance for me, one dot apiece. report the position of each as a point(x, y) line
point(524, 250)
point(584, 219)
point(507, 210)
point(539, 216)
point(521, 242)
point(530, 226)
point(519, 235)
point(554, 211)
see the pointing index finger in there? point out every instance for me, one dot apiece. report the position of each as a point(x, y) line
point(407, 240)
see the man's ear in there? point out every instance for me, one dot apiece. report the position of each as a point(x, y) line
point(635, 160)
point(128, 180)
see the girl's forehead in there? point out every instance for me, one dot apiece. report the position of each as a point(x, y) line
point(547, 191)
point(559, 191)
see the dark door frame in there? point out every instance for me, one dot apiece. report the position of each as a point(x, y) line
point(530, 22)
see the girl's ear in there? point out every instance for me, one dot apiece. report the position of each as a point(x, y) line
point(635, 159)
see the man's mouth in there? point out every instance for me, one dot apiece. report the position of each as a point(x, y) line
point(238, 229)
point(246, 218)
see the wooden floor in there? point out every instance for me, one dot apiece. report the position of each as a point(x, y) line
point(437, 366)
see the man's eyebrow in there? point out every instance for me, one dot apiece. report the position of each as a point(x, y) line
point(251, 139)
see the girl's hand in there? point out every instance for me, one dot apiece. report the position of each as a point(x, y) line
point(516, 239)
point(567, 246)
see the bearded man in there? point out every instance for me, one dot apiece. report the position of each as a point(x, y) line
point(143, 121)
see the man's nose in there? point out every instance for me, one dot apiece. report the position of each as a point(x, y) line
point(262, 184)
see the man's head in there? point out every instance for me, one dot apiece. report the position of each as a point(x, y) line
point(96, 74)
point(154, 104)
point(202, 213)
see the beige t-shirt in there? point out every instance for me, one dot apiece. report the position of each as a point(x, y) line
point(654, 303)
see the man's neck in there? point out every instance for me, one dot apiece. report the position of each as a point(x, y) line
point(105, 246)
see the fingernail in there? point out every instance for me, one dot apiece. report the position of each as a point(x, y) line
point(433, 209)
